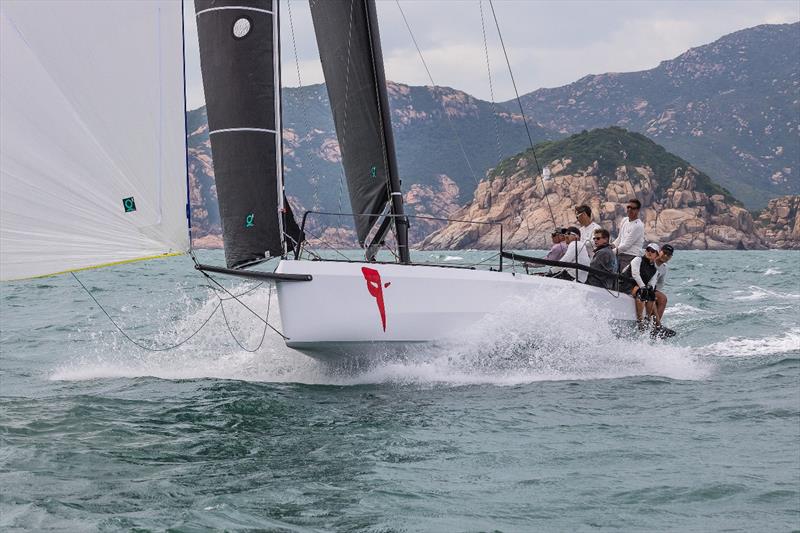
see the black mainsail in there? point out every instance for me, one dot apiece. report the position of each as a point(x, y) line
point(240, 62)
point(352, 62)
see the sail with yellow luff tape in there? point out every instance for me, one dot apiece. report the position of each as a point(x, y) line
point(92, 135)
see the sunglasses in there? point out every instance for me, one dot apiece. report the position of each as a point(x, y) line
point(631, 208)
point(598, 238)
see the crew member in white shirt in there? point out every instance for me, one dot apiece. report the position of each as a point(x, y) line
point(584, 215)
point(630, 240)
point(576, 253)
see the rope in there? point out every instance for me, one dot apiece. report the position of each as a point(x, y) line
point(241, 293)
point(263, 333)
point(134, 341)
point(522, 112)
point(449, 120)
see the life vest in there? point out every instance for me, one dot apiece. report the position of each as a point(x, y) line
point(647, 270)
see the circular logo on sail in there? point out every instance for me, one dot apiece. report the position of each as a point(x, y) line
point(241, 27)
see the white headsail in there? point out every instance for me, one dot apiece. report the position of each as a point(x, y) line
point(92, 134)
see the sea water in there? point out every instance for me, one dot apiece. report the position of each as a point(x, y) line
point(537, 418)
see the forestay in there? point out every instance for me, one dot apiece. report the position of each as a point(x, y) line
point(92, 135)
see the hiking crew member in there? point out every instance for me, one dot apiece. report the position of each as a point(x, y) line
point(576, 253)
point(661, 264)
point(630, 240)
point(604, 259)
point(584, 215)
point(645, 275)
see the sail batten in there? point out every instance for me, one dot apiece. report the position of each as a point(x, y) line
point(92, 130)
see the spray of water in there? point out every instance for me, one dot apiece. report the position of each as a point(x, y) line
point(557, 338)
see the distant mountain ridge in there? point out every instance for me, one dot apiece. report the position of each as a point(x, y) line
point(731, 107)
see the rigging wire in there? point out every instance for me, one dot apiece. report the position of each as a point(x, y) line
point(494, 109)
point(315, 175)
point(323, 242)
point(522, 111)
point(134, 341)
point(430, 77)
point(491, 85)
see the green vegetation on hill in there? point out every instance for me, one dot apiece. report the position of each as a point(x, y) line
point(612, 148)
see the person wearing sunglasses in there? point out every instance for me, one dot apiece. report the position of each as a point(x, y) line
point(583, 213)
point(604, 259)
point(630, 240)
point(559, 245)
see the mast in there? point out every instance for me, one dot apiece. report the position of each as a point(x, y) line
point(349, 45)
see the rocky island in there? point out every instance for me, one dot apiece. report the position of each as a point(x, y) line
point(604, 168)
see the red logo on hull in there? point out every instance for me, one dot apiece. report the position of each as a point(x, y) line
point(375, 288)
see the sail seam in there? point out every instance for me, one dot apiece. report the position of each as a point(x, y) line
point(245, 8)
point(226, 130)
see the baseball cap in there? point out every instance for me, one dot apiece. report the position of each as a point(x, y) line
point(574, 231)
point(653, 246)
point(667, 249)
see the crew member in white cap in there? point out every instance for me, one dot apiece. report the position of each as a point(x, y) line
point(644, 272)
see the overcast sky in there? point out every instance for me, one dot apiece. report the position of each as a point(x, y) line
point(550, 43)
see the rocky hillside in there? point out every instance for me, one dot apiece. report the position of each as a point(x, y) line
point(779, 224)
point(681, 205)
point(731, 107)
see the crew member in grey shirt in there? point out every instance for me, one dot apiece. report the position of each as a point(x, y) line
point(604, 259)
point(630, 240)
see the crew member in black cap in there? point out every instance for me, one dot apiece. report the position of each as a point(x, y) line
point(661, 264)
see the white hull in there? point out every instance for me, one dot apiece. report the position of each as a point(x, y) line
point(338, 312)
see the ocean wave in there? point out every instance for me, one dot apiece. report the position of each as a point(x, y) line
point(750, 347)
point(684, 310)
point(757, 293)
point(772, 272)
